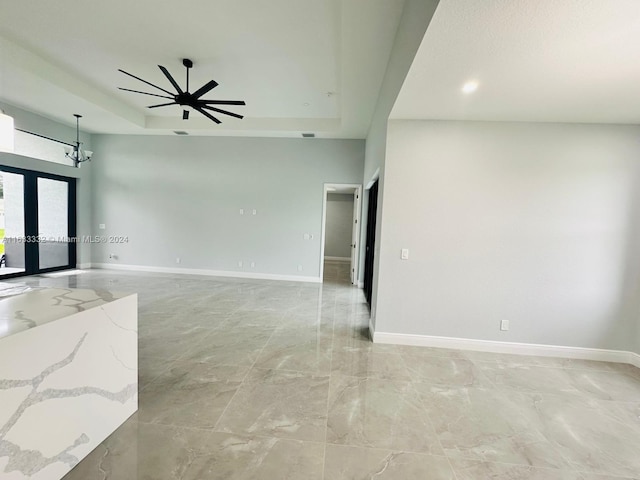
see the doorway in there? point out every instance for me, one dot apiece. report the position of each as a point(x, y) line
point(37, 222)
point(369, 256)
point(340, 233)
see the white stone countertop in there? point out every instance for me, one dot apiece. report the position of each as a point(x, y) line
point(23, 307)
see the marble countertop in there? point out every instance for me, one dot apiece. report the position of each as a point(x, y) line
point(23, 307)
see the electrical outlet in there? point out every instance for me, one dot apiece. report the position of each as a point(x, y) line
point(253, 264)
point(255, 212)
point(177, 259)
point(101, 226)
point(504, 325)
point(242, 211)
point(240, 263)
point(299, 268)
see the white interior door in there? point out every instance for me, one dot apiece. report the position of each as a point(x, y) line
point(355, 233)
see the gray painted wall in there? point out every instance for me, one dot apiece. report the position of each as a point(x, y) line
point(338, 229)
point(181, 196)
point(534, 223)
point(41, 155)
point(415, 19)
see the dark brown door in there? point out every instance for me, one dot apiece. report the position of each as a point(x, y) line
point(371, 241)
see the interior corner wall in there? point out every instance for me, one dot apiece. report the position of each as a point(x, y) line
point(416, 16)
point(533, 223)
point(180, 197)
point(34, 153)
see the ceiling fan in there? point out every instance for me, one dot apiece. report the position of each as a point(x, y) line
point(186, 99)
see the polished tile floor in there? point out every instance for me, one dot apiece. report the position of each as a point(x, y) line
point(272, 380)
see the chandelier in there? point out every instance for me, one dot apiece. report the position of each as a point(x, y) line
point(74, 151)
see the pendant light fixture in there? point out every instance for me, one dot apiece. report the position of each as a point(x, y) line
point(75, 152)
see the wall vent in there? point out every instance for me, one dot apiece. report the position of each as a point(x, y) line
point(308, 135)
point(180, 132)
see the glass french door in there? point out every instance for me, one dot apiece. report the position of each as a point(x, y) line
point(37, 222)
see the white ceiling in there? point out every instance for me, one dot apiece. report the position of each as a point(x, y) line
point(534, 60)
point(59, 58)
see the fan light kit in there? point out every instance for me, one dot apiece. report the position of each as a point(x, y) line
point(186, 99)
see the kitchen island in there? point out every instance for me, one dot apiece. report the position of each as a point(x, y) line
point(68, 375)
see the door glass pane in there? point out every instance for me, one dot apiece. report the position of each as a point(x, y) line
point(11, 223)
point(53, 222)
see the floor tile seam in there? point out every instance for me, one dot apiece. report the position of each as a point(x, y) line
point(162, 372)
point(284, 371)
point(214, 430)
point(326, 423)
point(551, 469)
point(392, 450)
point(290, 370)
point(516, 365)
point(407, 369)
point(433, 427)
point(427, 356)
point(199, 383)
point(384, 449)
point(480, 387)
point(191, 348)
point(575, 392)
point(243, 382)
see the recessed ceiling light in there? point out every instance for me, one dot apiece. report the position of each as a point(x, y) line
point(470, 87)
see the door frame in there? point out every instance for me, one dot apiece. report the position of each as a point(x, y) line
point(358, 209)
point(31, 251)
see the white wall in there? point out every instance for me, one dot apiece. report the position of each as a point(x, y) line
point(34, 153)
point(338, 230)
point(415, 19)
point(534, 223)
point(181, 196)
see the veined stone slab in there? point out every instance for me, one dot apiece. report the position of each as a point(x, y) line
point(68, 377)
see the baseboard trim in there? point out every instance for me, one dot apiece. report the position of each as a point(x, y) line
point(338, 259)
point(208, 273)
point(360, 284)
point(372, 330)
point(513, 348)
point(83, 266)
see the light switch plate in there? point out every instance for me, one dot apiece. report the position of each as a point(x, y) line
point(404, 255)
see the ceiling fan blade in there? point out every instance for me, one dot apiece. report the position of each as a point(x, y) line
point(185, 114)
point(170, 78)
point(144, 81)
point(204, 89)
point(163, 105)
point(145, 93)
point(222, 102)
point(208, 115)
point(225, 112)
